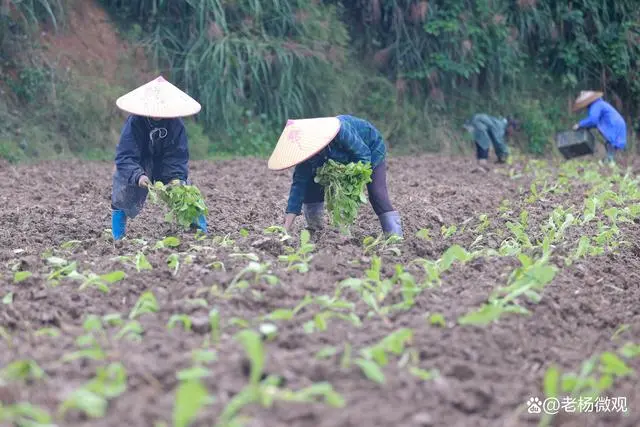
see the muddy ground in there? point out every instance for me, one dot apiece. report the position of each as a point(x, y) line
point(486, 374)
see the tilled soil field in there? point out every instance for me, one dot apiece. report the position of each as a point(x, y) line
point(505, 285)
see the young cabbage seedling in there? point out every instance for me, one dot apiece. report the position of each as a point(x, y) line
point(146, 303)
point(381, 245)
point(278, 230)
point(298, 259)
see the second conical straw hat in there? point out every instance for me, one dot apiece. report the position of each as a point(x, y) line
point(301, 140)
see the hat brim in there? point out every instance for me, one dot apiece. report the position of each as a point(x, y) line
point(159, 99)
point(302, 139)
point(579, 104)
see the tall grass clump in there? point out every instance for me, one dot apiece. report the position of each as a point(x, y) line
point(19, 16)
point(259, 57)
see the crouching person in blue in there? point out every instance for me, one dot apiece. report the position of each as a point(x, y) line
point(603, 116)
point(308, 144)
point(153, 147)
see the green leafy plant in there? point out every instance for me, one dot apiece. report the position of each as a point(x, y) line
point(424, 234)
point(214, 324)
point(484, 223)
point(92, 398)
point(8, 298)
point(596, 376)
point(180, 318)
point(110, 381)
point(139, 261)
point(100, 282)
point(191, 396)
point(382, 244)
point(278, 230)
point(260, 272)
point(21, 370)
point(21, 276)
point(167, 242)
point(448, 231)
point(528, 280)
point(298, 259)
point(131, 330)
point(61, 269)
point(375, 357)
point(185, 202)
point(173, 262)
point(423, 374)
point(344, 190)
point(25, 414)
point(264, 389)
point(437, 319)
point(146, 303)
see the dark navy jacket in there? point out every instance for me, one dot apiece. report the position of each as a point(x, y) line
point(158, 149)
point(356, 141)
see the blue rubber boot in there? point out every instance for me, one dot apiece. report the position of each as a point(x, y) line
point(118, 224)
point(391, 223)
point(201, 224)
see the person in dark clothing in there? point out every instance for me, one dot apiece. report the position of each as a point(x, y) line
point(487, 131)
point(153, 147)
point(307, 144)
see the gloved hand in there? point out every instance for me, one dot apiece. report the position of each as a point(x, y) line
point(144, 181)
point(176, 182)
point(576, 126)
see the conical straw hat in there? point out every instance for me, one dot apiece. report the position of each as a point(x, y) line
point(159, 99)
point(301, 140)
point(585, 99)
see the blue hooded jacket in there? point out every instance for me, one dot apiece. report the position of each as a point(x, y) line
point(608, 121)
point(356, 141)
point(157, 149)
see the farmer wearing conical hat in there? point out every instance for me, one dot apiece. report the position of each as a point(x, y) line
point(153, 147)
point(308, 144)
point(486, 131)
point(603, 116)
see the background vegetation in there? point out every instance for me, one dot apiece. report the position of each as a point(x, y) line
point(416, 69)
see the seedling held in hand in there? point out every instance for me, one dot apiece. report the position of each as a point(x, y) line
point(344, 190)
point(185, 202)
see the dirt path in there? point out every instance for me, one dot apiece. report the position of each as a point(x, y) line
point(485, 374)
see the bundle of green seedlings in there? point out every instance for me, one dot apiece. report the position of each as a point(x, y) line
point(185, 202)
point(344, 190)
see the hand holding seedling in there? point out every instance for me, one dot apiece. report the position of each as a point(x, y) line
point(185, 202)
point(144, 181)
